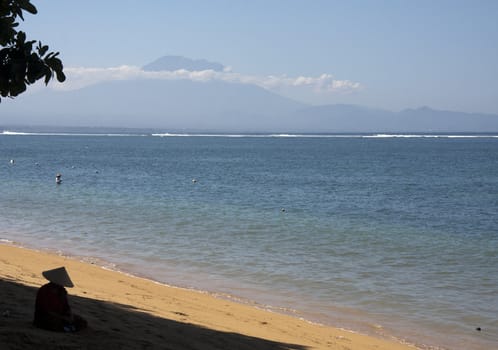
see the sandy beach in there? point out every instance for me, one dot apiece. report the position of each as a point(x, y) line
point(126, 312)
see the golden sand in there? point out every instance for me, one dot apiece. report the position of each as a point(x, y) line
point(126, 312)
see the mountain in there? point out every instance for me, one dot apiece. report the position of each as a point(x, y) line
point(342, 118)
point(425, 118)
point(173, 104)
point(353, 118)
point(184, 104)
point(172, 63)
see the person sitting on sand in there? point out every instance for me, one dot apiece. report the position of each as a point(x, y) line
point(52, 309)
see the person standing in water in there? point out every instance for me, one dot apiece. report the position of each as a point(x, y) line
point(58, 179)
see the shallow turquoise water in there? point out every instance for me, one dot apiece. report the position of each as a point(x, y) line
point(398, 233)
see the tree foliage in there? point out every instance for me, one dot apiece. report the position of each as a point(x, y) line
point(22, 61)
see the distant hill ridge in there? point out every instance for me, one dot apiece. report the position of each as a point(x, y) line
point(217, 105)
point(172, 63)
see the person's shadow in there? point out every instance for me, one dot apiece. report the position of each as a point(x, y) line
point(112, 326)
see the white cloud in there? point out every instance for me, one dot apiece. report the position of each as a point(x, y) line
point(78, 77)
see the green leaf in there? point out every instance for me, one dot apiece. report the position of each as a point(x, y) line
point(18, 12)
point(23, 62)
point(48, 76)
point(17, 88)
point(21, 38)
point(42, 50)
point(27, 6)
point(61, 77)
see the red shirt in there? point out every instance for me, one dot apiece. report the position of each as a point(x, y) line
point(51, 298)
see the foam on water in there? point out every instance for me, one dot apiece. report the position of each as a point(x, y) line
point(429, 136)
point(16, 133)
point(259, 135)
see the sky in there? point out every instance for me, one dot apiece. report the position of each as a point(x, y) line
point(382, 54)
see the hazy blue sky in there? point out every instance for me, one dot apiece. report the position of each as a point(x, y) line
point(387, 54)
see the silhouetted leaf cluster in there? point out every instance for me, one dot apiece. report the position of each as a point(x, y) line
point(22, 61)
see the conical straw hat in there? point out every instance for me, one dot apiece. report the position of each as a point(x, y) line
point(58, 276)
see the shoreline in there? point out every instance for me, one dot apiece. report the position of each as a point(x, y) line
point(184, 307)
point(346, 319)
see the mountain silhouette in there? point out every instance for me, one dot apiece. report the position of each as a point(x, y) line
point(218, 105)
point(172, 63)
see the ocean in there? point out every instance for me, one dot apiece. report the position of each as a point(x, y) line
point(390, 235)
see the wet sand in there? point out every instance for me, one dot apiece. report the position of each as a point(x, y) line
point(127, 312)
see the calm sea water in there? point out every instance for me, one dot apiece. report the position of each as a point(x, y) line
point(386, 235)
